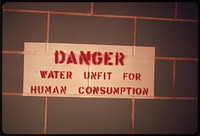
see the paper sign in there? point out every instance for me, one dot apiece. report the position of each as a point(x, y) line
point(84, 70)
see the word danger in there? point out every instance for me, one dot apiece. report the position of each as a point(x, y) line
point(96, 58)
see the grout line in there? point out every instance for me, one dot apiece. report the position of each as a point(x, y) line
point(186, 20)
point(135, 24)
point(173, 77)
point(132, 115)
point(46, 12)
point(12, 52)
point(47, 32)
point(91, 8)
point(167, 98)
point(176, 9)
point(134, 36)
point(114, 16)
point(167, 19)
point(176, 58)
point(145, 18)
point(170, 98)
point(122, 97)
point(45, 115)
point(46, 50)
point(11, 94)
point(100, 15)
point(25, 10)
point(156, 58)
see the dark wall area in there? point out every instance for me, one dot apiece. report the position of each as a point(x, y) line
point(172, 28)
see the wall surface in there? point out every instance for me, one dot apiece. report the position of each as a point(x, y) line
point(172, 28)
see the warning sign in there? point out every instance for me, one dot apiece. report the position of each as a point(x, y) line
point(84, 70)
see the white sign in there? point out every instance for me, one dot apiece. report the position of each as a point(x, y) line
point(84, 70)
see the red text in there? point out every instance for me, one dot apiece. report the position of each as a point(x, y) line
point(96, 58)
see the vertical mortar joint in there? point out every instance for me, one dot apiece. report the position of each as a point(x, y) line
point(134, 35)
point(173, 77)
point(175, 10)
point(91, 8)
